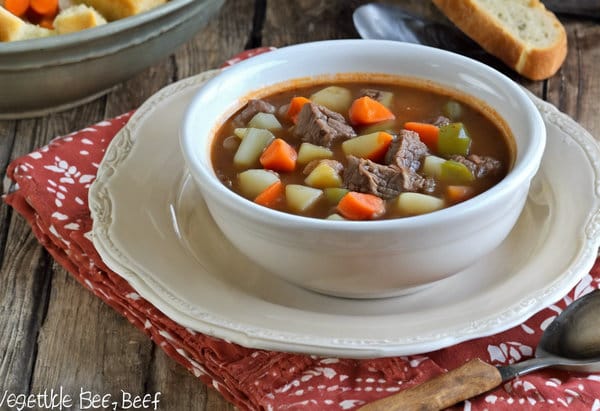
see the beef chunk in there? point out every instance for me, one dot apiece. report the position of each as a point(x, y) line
point(319, 125)
point(254, 106)
point(336, 165)
point(440, 121)
point(373, 93)
point(480, 166)
point(406, 151)
point(365, 176)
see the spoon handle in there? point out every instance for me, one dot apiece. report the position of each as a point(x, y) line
point(445, 390)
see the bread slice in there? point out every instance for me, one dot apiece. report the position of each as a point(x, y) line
point(77, 18)
point(12, 28)
point(118, 9)
point(522, 33)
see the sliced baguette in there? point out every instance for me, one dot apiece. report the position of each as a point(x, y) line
point(12, 28)
point(522, 33)
point(118, 9)
point(77, 18)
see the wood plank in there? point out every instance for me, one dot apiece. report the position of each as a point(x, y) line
point(576, 88)
point(25, 279)
point(226, 35)
point(85, 344)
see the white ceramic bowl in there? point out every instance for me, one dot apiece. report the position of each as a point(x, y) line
point(55, 73)
point(364, 259)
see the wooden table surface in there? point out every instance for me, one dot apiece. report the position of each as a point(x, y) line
point(53, 333)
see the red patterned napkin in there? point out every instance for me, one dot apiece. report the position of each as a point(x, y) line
point(51, 193)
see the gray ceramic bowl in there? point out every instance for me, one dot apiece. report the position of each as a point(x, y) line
point(50, 74)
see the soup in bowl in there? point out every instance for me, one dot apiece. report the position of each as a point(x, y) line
point(362, 168)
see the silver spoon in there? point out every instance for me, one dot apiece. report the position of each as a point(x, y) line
point(571, 341)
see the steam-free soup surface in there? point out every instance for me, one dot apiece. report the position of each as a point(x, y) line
point(360, 151)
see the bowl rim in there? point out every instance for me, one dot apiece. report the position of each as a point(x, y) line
point(521, 173)
point(77, 38)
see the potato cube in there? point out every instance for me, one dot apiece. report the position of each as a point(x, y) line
point(432, 166)
point(300, 198)
point(417, 203)
point(309, 152)
point(369, 146)
point(322, 176)
point(265, 121)
point(251, 147)
point(254, 181)
point(334, 98)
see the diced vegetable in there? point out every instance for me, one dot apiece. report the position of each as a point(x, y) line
point(271, 195)
point(417, 203)
point(365, 110)
point(300, 198)
point(267, 121)
point(334, 98)
point(432, 166)
point(370, 146)
point(17, 7)
point(241, 132)
point(295, 106)
point(335, 194)
point(309, 152)
point(386, 98)
point(453, 172)
point(456, 194)
point(387, 126)
point(251, 147)
point(254, 181)
point(335, 216)
point(361, 206)
point(454, 139)
point(279, 156)
point(453, 110)
point(428, 133)
point(323, 176)
point(44, 7)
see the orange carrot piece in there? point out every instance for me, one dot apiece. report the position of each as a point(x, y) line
point(45, 7)
point(47, 22)
point(279, 156)
point(16, 7)
point(295, 106)
point(271, 195)
point(361, 206)
point(456, 194)
point(428, 133)
point(365, 110)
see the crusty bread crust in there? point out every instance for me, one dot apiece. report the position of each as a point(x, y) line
point(118, 9)
point(536, 63)
point(77, 18)
point(13, 28)
point(10, 25)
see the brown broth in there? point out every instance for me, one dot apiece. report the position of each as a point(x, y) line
point(411, 103)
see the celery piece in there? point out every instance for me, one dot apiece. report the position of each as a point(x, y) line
point(334, 194)
point(251, 147)
point(265, 121)
point(454, 139)
point(453, 172)
point(387, 126)
point(453, 110)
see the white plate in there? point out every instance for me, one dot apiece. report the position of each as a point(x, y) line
point(151, 227)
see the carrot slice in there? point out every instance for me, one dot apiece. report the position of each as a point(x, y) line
point(365, 110)
point(47, 22)
point(271, 195)
point(16, 7)
point(279, 155)
point(295, 106)
point(45, 7)
point(361, 206)
point(456, 193)
point(428, 133)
